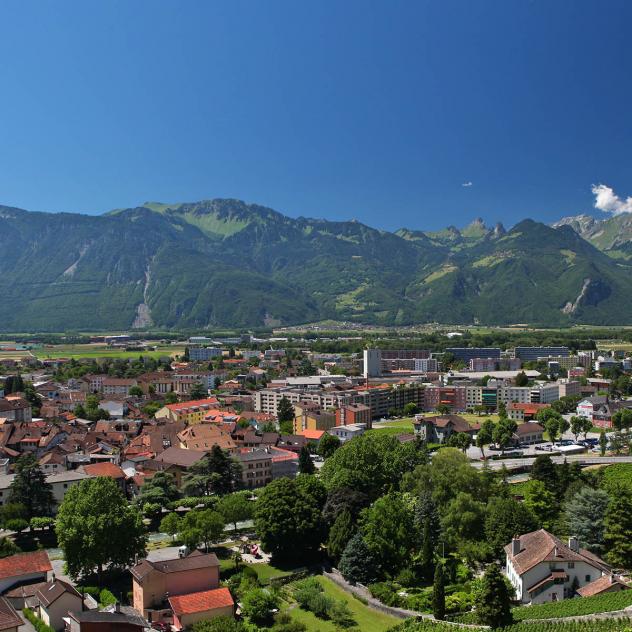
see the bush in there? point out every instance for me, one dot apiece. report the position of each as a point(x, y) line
point(386, 592)
point(406, 577)
point(106, 598)
point(37, 623)
point(341, 615)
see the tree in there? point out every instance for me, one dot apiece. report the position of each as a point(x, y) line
point(521, 379)
point(13, 384)
point(618, 526)
point(170, 398)
point(171, 524)
point(543, 469)
point(410, 409)
point(206, 526)
point(305, 463)
point(449, 473)
point(328, 445)
point(503, 432)
point(585, 514)
point(370, 463)
point(504, 518)
point(542, 502)
point(288, 519)
point(160, 489)
point(340, 533)
point(442, 409)
point(386, 526)
point(285, 411)
point(485, 435)
point(579, 425)
point(502, 410)
point(258, 606)
point(344, 499)
point(30, 488)
point(553, 422)
point(429, 528)
point(216, 473)
point(603, 442)
point(8, 547)
point(463, 519)
point(135, 391)
point(460, 440)
point(438, 593)
point(357, 564)
point(622, 420)
point(493, 601)
point(96, 527)
point(198, 391)
point(235, 508)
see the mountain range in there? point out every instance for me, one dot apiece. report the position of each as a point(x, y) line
point(225, 263)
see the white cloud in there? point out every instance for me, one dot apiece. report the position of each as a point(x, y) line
point(608, 201)
point(467, 184)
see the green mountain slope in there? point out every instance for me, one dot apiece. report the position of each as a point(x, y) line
point(224, 263)
point(613, 235)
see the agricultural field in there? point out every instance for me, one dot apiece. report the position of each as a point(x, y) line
point(366, 619)
point(99, 350)
point(603, 625)
point(575, 607)
point(618, 474)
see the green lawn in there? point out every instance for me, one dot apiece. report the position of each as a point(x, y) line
point(101, 351)
point(399, 426)
point(266, 572)
point(367, 619)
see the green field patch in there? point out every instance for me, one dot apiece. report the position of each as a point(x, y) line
point(437, 274)
point(366, 619)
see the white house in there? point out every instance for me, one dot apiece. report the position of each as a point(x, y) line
point(542, 568)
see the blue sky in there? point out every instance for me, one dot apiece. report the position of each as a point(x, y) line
point(378, 111)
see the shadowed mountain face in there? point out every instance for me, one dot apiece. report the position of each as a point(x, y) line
point(230, 264)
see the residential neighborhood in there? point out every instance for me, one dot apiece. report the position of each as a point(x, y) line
point(193, 446)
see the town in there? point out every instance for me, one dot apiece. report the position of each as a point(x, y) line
point(251, 484)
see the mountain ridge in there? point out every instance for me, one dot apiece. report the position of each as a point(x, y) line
point(223, 262)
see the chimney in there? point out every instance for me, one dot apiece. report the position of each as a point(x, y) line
point(515, 545)
point(573, 544)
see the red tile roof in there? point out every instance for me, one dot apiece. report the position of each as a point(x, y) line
point(24, 564)
point(605, 583)
point(312, 434)
point(104, 469)
point(201, 601)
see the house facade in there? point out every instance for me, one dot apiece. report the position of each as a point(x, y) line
point(541, 568)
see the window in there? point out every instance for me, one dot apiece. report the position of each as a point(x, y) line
point(571, 565)
point(588, 578)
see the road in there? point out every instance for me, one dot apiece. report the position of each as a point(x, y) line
point(583, 459)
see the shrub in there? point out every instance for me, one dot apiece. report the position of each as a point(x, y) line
point(406, 577)
point(37, 623)
point(106, 598)
point(386, 592)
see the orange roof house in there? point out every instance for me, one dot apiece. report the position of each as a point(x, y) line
point(191, 412)
point(24, 568)
point(193, 607)
point(204, 436)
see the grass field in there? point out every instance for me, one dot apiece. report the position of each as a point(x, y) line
point(398, 426)
point(367, 619)
point(94, 351)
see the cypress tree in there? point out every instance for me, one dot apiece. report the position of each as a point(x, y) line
point(493, 602)
point(438, 593)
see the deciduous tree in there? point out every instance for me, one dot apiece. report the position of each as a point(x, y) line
point(30, 488)
point(97, 527)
